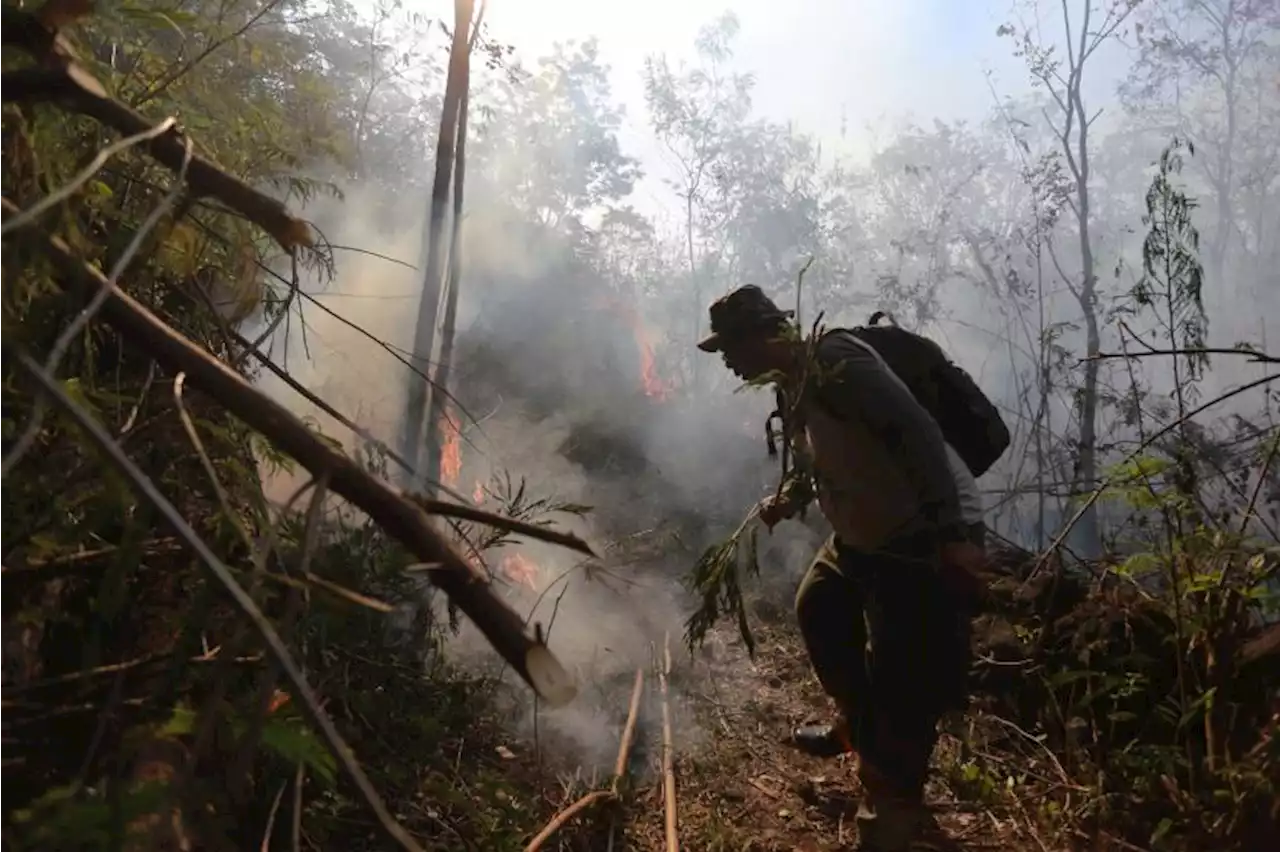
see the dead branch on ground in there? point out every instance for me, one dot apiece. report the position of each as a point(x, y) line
point(619, 772)
point(561, 819)
point(628, 733)
point(668, 756)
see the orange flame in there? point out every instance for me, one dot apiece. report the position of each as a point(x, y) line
point(450, 451)
point(278, 700)
point(477, 496)
point(519, 568)
point(653, 385)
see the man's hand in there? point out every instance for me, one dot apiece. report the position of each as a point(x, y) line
point(772, 510)
point(965, 554)
point(964, 572)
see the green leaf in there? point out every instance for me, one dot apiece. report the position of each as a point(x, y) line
point(75, 389)
point(1137, 565)
point(41, 547)
point(182, 722)
point(293, 741)
point(1068, 677)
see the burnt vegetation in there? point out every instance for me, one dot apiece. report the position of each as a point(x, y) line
point(224, 628)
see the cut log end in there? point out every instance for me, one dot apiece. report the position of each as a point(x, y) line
point(552, 681)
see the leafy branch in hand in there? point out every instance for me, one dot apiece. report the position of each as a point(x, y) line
point(715, 576)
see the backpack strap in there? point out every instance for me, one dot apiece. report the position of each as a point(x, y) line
point(852, 336)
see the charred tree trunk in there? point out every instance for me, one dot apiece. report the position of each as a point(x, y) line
point(444, 363)
point(421, 438)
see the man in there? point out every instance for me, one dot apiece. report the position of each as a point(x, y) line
point(907, 521)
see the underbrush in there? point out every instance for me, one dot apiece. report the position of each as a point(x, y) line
point(182, 735)
point(1133, 702)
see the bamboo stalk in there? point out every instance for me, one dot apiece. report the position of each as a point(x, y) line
point(620, 767)
point(628, 733)
point(668, 771)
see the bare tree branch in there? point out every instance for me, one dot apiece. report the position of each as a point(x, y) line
point(1254, 357)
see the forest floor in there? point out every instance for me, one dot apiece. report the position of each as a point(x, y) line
point(741, 788)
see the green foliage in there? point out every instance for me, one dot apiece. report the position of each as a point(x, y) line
point(1171, 261)
point(1139, 680)
point(73, 818)
point(716, 582)
point(546, 141)
point(408, 714)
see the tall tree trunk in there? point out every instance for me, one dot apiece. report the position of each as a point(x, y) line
point(1219, 248)
point(1090, 533)
point(425, 341)
point(444, 370)
point(1087, 478)
point(698, 307)
point(1074, 137)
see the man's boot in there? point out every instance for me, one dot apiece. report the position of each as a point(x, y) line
point(825, 740)
point(889, 819)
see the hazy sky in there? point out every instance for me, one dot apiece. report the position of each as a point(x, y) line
point(822, 64)
point(813, 58)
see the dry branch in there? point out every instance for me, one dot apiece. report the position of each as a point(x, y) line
point(44, 569)
point(562, 818)
point(62, 79)
point(1254, 356)
point(612, 794)
point(316, 400)
point(628, 733)
point(463, 512)
point(158, 660)
point(398, 516)
point(668, 756)
point(443, 508)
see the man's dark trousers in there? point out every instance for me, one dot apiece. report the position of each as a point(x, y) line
point(915, 669)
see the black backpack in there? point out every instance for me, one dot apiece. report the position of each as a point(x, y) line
point(968, 420)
